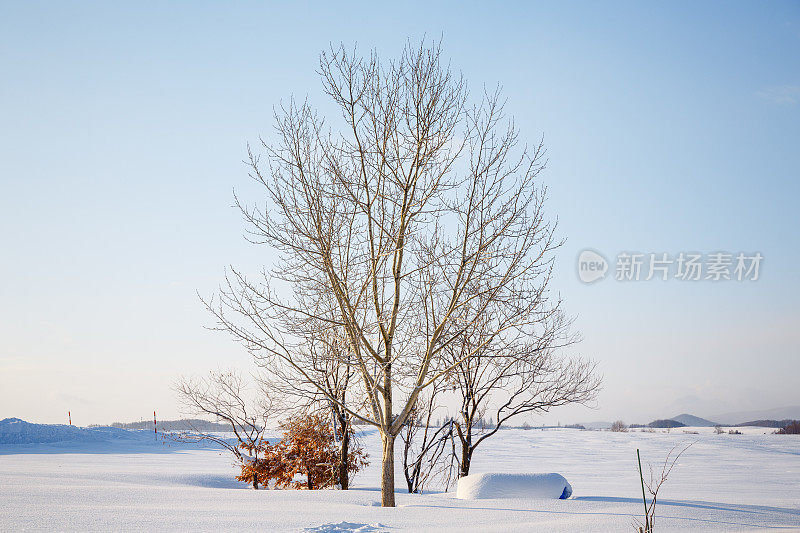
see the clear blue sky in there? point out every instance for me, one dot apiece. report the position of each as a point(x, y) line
point(670, 127)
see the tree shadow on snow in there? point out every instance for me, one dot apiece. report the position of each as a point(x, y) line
point(750, 510)
point(697, 504)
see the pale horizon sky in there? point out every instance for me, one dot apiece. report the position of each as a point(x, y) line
point(670, 128)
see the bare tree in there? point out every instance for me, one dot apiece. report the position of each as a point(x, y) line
point(619, 427)
point(329, 375)
point(515, 375)
point(420, 214)
point(654, 485)
point(223, 395)
point(425, 447)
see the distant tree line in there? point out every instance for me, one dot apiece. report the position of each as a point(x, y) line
point(184, 424)
point(792, 428)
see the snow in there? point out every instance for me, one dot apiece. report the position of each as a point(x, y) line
point(16, 431)
point(724, 482)
point(346, 527)
point(494, 486)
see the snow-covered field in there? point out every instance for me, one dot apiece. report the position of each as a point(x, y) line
point(723, 482)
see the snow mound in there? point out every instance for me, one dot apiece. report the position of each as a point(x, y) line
point(16, 431)
point(347, 527)
point(485, 486)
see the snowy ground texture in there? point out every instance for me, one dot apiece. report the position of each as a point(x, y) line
point(129, 482)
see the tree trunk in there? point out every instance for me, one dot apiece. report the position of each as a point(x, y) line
point(466, 458)
point(406, 467)
point(466, 446)
point(255, 481)
point(387, 475)
point(344, 475)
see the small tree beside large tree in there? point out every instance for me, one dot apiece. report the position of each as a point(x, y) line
point(513, 377)
point(224, 395)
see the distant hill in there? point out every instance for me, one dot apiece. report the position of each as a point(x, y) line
point(770, 418)
point(694, 421)
point(766, 423)
point(666, 424)
point(791, 412)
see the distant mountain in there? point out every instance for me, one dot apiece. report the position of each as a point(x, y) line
point(693, 421)
point(666, 424)
point(739, 417)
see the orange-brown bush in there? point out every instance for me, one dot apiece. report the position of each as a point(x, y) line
point(308, 449)
point(265, 464)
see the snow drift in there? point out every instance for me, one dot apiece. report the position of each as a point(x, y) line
point(16, 431)
point(485, 486)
